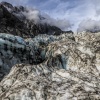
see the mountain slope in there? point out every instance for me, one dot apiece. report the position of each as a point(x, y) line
point(13, 20)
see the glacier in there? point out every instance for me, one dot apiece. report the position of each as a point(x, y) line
point(49, 67)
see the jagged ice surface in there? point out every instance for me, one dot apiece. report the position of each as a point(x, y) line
point(66, 67)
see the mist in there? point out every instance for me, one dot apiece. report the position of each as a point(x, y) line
point(40, 17)
point(89, 25)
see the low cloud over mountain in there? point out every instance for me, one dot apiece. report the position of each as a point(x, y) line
point(65, 14)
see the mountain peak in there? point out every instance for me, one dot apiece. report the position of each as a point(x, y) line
point(6, 4)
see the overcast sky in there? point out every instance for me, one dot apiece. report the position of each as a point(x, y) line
point(75, 11)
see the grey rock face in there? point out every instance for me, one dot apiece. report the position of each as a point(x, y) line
point(70, 70)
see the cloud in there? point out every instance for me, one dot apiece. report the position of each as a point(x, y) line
point(89, 25)
point(32, 14)
point(90, 21)
point(61, 23)
point(40, 17)
point(79, 11)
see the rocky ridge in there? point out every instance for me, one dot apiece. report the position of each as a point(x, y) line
point(13, 20)
point(64, 67)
